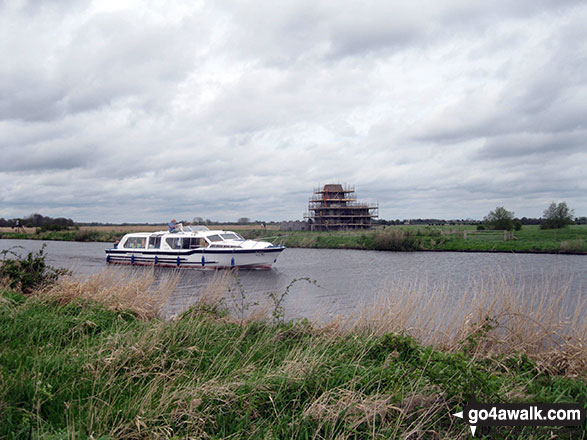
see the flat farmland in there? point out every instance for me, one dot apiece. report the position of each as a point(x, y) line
point(152, 228)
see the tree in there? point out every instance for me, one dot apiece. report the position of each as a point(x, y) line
point(557, 216)
point(500, 218)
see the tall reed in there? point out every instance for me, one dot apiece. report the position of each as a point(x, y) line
point(542, 319)
point(137, 291)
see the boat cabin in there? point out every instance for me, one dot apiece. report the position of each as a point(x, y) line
point(181, 240)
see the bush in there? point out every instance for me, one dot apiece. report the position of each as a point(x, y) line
point(51, 227)
point(27, 274)
point(396, 240)
point(500, 218)
point(87, 235)
point(557, 216)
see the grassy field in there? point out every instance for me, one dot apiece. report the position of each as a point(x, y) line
point(110, 233)
point(572, 239)
point(90, 359)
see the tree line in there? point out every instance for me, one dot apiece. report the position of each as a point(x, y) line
point(556, 216)
point(38, 221)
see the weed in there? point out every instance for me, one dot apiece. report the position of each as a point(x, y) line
point(239, 297)
point(28, 273)
point(277, 298)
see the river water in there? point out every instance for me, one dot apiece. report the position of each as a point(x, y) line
point(345, 280)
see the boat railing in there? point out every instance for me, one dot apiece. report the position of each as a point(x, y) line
point(181, 228)
point(279, 239)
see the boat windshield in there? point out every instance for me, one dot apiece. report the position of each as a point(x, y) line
point(185, 242)
point(232, 236)
point(214, 237)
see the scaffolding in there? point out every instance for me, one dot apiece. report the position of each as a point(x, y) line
point(335, 207)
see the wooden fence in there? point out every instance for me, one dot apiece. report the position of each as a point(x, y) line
point(492, 234)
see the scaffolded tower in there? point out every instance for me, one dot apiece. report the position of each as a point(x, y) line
point(334, 207)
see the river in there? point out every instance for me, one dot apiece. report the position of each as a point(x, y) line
point(345, 280)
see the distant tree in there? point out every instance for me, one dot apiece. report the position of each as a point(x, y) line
point(517, 224)
point(557, 216)
point(198, 220)
point(243, 220)
point(500, 218)
point(581, 221)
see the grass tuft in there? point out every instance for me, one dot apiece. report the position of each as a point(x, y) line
point(138, 292)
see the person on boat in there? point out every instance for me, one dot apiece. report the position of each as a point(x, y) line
point(173, 225)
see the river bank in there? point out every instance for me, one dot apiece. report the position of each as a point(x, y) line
point(75, 367)
point(530, 239)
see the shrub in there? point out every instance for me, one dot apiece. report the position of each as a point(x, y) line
point(51, 227)
point(87, 235)
point(500, 218)
point(28, 273)
point(396, 240)
point(557, 216)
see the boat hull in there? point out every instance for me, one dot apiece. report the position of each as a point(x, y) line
point(261, 258)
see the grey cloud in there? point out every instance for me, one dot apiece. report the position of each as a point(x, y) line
point(224, 110)
point(104, 59)
point(536, 144)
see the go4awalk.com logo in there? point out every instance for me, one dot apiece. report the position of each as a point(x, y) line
point(521, 414)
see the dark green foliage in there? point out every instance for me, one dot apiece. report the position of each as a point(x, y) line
point(557, 216)
point(51, 227)
point(27, 273)
point(500, 218)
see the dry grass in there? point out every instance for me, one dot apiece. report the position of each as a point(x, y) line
point(544, 320)
point(572, 245)
point(140, 292)
point(9, 229)
point(213, 293)
point(162, 227)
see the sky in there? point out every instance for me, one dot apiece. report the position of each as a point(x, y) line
point(128, 111)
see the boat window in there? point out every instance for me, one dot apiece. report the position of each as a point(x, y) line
point(191, 243)
point(174, 242)
point(231, 236)
point(214, 237)
point(154, 242)
point(135, 242)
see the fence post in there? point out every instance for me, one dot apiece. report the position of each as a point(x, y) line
point(465, 235)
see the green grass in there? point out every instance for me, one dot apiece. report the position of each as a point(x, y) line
point(65, 235)
point(79, 369)
point(572, 239)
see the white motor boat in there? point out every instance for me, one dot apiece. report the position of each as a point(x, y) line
point(193, 247)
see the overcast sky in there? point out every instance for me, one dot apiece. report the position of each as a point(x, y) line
point(141, 111)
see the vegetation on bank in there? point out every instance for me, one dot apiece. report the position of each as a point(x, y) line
point(90, 359)
point(74, 368)
point(570, 239)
